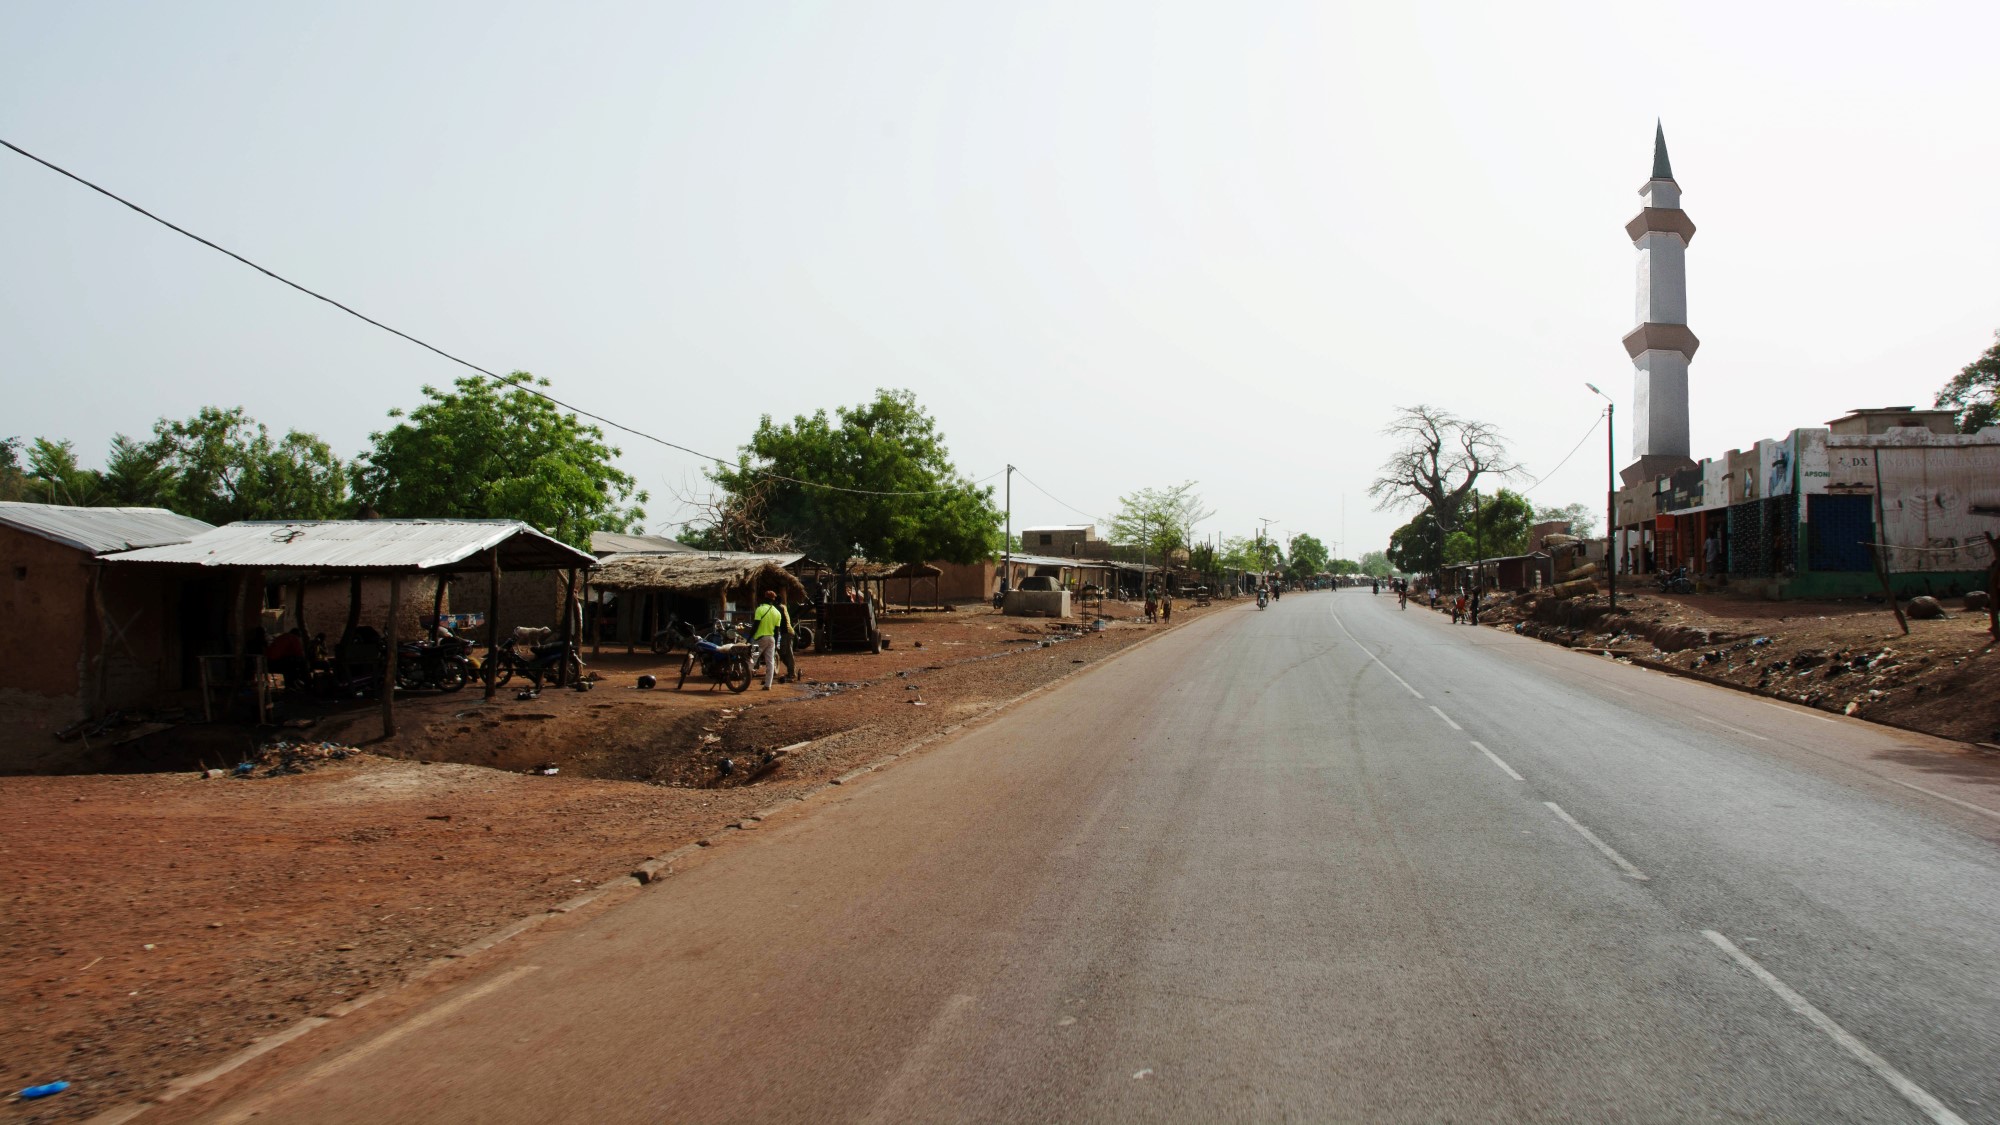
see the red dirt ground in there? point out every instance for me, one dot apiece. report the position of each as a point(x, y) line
point(156, 923)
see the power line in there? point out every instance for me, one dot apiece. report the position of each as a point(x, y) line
point(516, 384)
point(1566, 457)
point(1058, 499)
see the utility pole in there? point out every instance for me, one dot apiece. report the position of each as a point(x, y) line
point(1610, 496)
point(1007, 567)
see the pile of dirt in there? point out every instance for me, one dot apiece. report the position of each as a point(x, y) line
point(1943, 678)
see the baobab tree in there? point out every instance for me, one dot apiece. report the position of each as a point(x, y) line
point(1439, 459)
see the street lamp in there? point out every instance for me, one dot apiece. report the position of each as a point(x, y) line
point(1610, 496)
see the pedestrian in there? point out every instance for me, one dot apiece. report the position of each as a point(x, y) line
point(1711, 553)
point(786, 652)
point(1152, 607)
point(1166, 609)
point(767, 618)
point(1458, 609)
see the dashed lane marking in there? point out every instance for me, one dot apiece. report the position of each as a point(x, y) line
point(1795, 711)
point(1504, 767)
point(1916, 1095)
point(1726, 726)
point(1446, 718)
point(1610, 853)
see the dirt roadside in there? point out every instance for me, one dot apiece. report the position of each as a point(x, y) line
point(1847, 657)
point(158, 922)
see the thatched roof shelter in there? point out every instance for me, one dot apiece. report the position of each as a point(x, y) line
point(695, 574)
point(872, 571)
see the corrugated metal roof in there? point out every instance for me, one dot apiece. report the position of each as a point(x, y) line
point(366, 545)
point(616, 543)
point(100, 530)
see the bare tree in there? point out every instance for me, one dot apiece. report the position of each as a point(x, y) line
point(1440, 457)
point(722, 521)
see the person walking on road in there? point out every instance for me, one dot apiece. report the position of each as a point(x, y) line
point(786, 651)
point(1166, 608)
point(767, 617)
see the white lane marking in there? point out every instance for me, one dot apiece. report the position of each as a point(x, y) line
point(1980, 809)
point(1619, 690)
point(1916, 1095)
point(1446, 718)
point(1795, 711)
point(1375, 658)
point(1726, 726)
point(922, 1057)
point(328, 1069)
point(1504, 767)
point(1610, 853)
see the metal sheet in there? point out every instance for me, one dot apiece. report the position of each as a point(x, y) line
point(366, 545)
point(101, 530)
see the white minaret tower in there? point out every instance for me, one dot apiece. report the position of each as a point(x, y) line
point(1661, 345)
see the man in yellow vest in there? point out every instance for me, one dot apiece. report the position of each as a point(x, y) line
point(768, 618)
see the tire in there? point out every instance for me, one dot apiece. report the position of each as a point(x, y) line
point(738, 676)
point(502, 672)
point(802, 637)
point(451, 675)
point(686, 664)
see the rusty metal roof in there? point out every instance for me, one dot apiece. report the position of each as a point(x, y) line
point(384, 545)
point(101, 530)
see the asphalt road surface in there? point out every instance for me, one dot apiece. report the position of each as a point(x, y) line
point(1331, 861)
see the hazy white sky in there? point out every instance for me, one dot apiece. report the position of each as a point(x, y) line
point(1117, 244)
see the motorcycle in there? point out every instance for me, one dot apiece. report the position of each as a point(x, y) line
point(444, 665)
point(1263, 599)
point(724, 657)
point(1675, 581)
point(551, 660)
point(679, 635)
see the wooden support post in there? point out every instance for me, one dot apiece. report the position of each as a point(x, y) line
point(389, 657)
point(239, 636)
point(97, 628)
point(1882, 574)
point(299, 608)
point(1993, 587)
point(492, 618)
point(597, 624)
point(353, 605)
point(437, 605)
point(568, 637)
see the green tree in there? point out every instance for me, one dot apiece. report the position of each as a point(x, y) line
point(1975, 391)
point(1375, 564)
point(55, 477)
point(135, 475)
point(1418, 547)
point(481, 450)
point(1343, 566)
point(873, 480)
point(222, 466)
point(1581, 518)
point(1159, 519)
point(1309, 557)
point(13, 476)
point(1502, 521)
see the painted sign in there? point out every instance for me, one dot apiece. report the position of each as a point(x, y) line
point(1941, 499)
point(1809, 447)
point(1774, 466)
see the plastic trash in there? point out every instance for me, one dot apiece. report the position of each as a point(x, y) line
point(44, 1090)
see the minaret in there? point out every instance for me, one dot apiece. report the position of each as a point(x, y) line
point(1661, 345)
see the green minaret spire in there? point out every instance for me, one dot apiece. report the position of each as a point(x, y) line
point(1661, 169)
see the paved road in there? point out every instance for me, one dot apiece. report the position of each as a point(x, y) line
point(1325, 862)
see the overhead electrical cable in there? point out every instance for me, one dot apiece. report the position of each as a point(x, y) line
point(516, 384)
point(1058, 499)
point(1566, 456)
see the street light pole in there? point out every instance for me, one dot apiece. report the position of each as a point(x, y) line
point(1610, 495)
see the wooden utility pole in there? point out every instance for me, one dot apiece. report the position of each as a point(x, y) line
point(492, 618)
point(389, 657)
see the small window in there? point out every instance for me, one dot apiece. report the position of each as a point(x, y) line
point(20, 573)
point(1048, 539)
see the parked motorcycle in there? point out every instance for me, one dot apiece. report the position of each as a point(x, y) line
point(442, 666)
point(1675, 581)
point(540, 662)
point(724, 657)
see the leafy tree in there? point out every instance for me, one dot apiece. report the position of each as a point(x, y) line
point(13, 477)
point(1975, 391)
point(1343, 566)
point(1418, 547)
point(1502, 521)
point(135, 475)
point(1160, 519)
point(221, 466)
point(55, 477)
point(1439, 459)
point(485, 451)
point(1581, 518)
point(1309, 557)
point(873, 480)
point(1375, 564)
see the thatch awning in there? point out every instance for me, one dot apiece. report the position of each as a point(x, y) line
point(871, 571)
point(692, 574)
